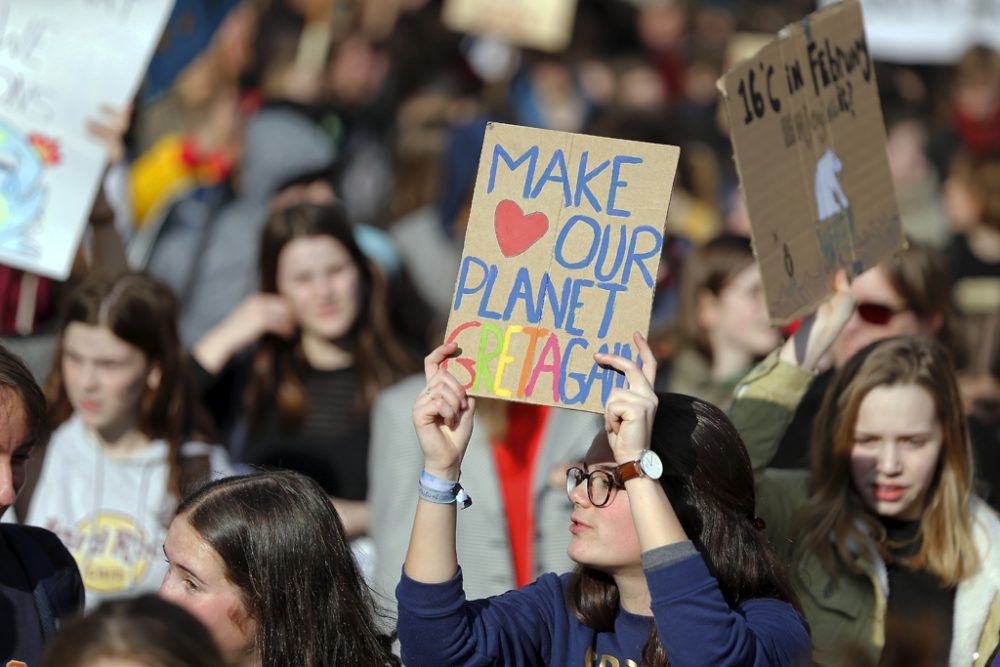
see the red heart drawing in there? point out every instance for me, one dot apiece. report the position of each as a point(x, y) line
point(516, 232)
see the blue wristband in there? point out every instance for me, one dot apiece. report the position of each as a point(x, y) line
point(442, 491)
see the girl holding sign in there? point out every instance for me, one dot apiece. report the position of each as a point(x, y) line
point(671, 566)
point(886, 532)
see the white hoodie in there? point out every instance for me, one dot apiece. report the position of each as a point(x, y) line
point(111, 513)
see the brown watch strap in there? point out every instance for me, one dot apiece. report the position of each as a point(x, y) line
point(627, 471)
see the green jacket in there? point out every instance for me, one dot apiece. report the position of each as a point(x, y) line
point(850, 611)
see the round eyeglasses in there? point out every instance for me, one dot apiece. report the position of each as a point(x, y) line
point(601, 485)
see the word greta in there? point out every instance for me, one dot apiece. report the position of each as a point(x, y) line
point(555, 359)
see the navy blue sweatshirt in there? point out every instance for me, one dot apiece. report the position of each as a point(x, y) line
point(533, 626)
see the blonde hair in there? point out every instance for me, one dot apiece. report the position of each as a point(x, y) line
point(835, 510)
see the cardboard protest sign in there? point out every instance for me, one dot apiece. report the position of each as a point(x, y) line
point(60, 61)
point(929, 31)
point(806, 124)
point(560, 262)
point(546, 25)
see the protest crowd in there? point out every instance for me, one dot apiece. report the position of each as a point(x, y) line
point(238, 432)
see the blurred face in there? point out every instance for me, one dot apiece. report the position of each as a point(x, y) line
point(15, 448)
point(114, 661)
point(105, 378)
point(872, 288)
point(738, 317)
point(196, 580)
point(897, 444)
point(603, 537)
point(321, 283)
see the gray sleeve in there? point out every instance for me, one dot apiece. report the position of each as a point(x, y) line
point(668, 555)
point(394, 465)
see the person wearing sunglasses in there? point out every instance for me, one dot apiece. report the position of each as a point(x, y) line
point(906, 295)
point(885, 533)
point(671, 566)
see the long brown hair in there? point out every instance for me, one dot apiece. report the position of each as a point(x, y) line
point(283, 545)
point(708, 478)
point(142, 312)
point(379, 358)
point(836, 510)
point(919, 274)
point(708, 269)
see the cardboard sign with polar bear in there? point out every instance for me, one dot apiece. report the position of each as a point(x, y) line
point(807, 129)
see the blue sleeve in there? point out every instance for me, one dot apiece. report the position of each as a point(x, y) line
point(697, 627)
point(437, 626)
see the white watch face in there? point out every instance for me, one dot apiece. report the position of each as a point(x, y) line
point(651, 464)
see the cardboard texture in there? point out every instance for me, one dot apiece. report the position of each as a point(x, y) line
point(807, 130)
point(560, 262)
point(60, 61)
point(546, 25)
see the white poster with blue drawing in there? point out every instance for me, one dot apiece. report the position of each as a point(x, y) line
point(60, 61)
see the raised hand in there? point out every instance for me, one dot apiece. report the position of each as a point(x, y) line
point(629, 411)
point(109, 128)
point(257, 315)
point(817, 332)
point(442, 417)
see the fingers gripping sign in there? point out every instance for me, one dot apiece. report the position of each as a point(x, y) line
point(442, 416)
point(629, 411)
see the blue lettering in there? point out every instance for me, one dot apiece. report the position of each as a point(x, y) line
point(547, 290)
point(584, 390)
point(522, 292)
point(531, 155)
point(564, 234)
point(617, 182)
point(558, 161)
point(463, 276)
point(609, 306)
point(637, 258)
point(491, 280)
point(575, 302)
point(583, 178)
point(603, 254)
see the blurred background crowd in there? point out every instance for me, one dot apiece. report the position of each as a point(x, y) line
point(377, 107)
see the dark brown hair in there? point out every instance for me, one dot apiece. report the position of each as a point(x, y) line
point(919, 274)
point(981, 175)
point(708, 268)
point(283, 546)
point(146, 629)
point(708, 478)
point(142, 312)
point(15, 376)
point(379, 358)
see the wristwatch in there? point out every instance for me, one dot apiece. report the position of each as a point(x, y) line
point(647, 465)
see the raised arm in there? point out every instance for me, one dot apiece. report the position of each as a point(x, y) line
point(695, 622)
point(442, 418)
point(257, 315)
point(766, 399)
point(628, 421)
